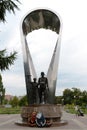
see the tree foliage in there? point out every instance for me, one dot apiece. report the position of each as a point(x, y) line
point(68, 96)
point(2, 91)
point(75, 96)
point(7, 5)
point(23, 101)
point(58, 99)
point(14, 102)
point(5, 60)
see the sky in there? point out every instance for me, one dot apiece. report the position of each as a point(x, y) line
point(72, 69)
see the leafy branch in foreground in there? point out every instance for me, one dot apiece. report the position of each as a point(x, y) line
point(7, 5)
point(5, 60)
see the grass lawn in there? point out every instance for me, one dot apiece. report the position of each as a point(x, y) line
point(10, 110)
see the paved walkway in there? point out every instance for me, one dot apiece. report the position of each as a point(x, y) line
point(7, 122)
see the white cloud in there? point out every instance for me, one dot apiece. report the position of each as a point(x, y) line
point(73, 55)
point(14, 83)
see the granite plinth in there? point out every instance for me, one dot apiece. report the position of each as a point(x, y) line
point(51, 112)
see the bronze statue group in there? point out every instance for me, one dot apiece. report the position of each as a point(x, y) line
point(40, 88)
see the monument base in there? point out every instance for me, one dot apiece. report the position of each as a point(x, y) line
point(51, 112)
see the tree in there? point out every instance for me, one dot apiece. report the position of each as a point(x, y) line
point(58, 99)
point(14, 102)
point(77, 95)
point(23, 101)
point(84, 97)
point(2, 91)
point(5, 60)
point(68, 96)
point(7, 5)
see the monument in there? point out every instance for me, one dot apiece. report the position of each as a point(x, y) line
point(43, 99)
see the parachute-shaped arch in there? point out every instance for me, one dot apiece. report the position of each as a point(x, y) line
point(35, 19)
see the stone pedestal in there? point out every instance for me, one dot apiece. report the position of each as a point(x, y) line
point(51, 113)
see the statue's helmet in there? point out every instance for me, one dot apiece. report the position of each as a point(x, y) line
point(42, 73)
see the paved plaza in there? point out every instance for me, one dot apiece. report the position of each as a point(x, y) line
point(7, 122)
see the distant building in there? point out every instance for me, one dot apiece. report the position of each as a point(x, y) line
point(9, 97)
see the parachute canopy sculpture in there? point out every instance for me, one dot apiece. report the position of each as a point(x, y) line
point(33, 20)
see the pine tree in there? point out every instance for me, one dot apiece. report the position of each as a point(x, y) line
point(6, 60)
point(10, 6)
point(2, 91)
point(7, 5)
